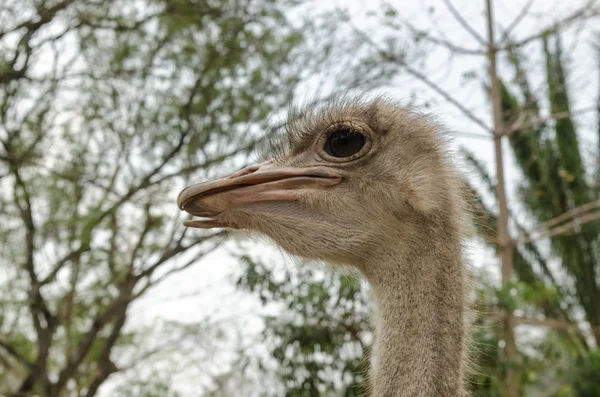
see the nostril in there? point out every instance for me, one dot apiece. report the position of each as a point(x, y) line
point(246, 171)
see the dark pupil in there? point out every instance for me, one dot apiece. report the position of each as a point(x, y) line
point(344, 143)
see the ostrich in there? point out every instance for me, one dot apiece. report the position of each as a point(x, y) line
point(367, 184)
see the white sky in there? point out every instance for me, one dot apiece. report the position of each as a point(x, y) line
point(208, 283)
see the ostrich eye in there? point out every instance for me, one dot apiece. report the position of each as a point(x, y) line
point(344, 143)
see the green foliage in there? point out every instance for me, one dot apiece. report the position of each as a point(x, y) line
point(555, 181)
point(107, 108)
point(585, 378)
point(320, 339)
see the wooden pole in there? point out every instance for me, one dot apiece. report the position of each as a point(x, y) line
point(508, 383)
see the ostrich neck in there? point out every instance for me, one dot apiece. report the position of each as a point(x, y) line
point(421, 338)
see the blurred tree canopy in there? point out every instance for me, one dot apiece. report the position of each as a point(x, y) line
point(106, 109)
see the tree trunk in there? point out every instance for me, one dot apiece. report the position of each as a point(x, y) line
point(509, 384)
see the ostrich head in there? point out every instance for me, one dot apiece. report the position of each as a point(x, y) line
point(354, 177)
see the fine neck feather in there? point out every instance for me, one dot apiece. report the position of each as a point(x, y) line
point(421, 325)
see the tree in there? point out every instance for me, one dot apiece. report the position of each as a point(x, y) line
point(105, 108)
point(560, 195)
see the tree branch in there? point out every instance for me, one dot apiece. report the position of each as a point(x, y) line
point(567, 227)
point(172, 271)
point(71, 256)
point(520, 124)
point(464, 23)
point(20, 358)
point(516, 21)
point(553, 323)
point(45, 15)
point(423, 78)
point(169, 254)
point(585, 12)
point(147, 226)
point(37, 304)
point(115, 309)
point(549, 224)
point(456, 49)
point(105, 364)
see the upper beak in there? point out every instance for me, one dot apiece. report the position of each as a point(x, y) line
point(257, 183)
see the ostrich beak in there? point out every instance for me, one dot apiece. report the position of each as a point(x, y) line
point(258, 183)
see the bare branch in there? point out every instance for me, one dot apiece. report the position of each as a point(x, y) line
point(71, 256)
point(589, 10)
point(167, 255)
point(441, 42)
point(520, 124)
point(150, 283)
point(423, 78)
point(147, 226)
point(556, 324)
point(464, 23)
point(45, 15)
point(447, 97)
point(553, 323)
point(547, 322)
point(577, 211)
point(118, 26)
point(567, 227)
point(516, 21)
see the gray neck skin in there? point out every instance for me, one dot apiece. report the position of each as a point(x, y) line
point(421, 330)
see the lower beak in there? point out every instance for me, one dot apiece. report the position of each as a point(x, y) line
point(257, 183)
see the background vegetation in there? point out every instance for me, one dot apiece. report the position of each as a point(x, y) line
point(108, 108)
